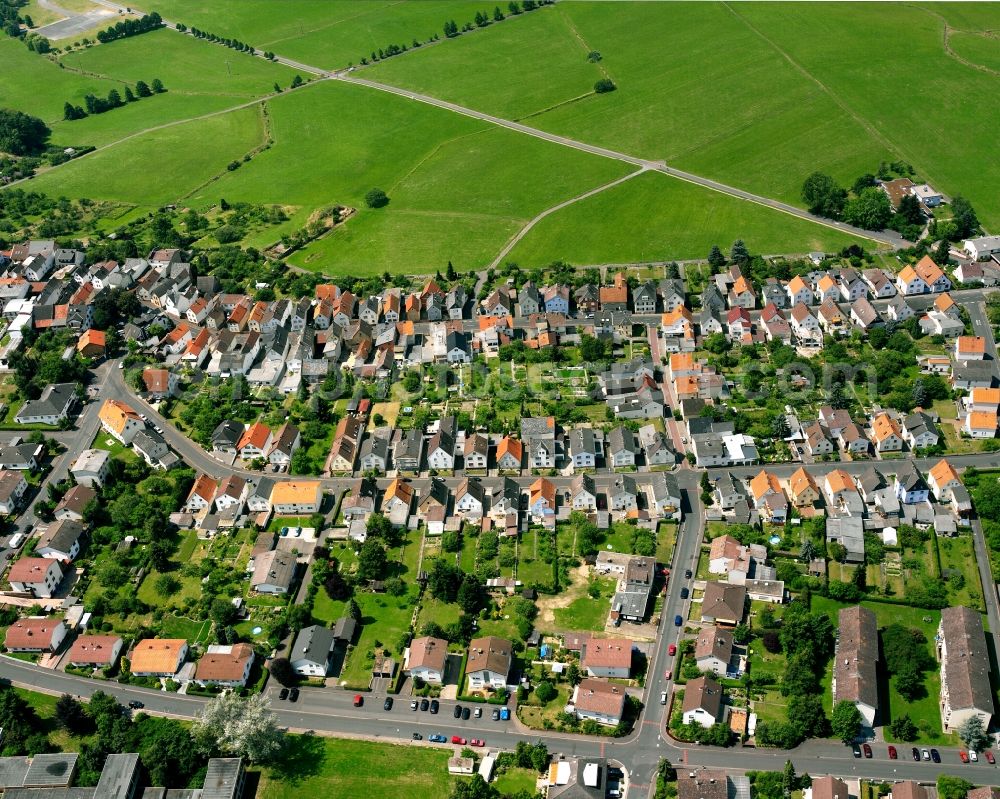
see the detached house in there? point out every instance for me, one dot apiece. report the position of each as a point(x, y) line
point(426, 658)
point(489, 663)
point(943, 479)
point(120, 421)
point(702, 701)
point(886, 434)
point(35, 576)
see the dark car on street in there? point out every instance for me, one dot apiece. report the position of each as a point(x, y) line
point(424, 704)
point(434, 706)
point(856, 750)
point(867, 750)
point(458, 711)
point(283, 694)
point(387, 704)
point(916, 753)
point(466, 713)
point(935, 756)
point(293, 695)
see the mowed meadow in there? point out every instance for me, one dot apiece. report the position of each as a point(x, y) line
point(753, 95)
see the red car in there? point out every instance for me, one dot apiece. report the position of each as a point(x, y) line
point(964, 755)
point(672, 650)
point(867, 749)
point(457, 739)
point(477, 742)
point(358, 700)
point(989, 757)
point(892, 753)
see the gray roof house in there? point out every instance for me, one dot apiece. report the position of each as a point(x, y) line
point(310, 655)
point(51, 407)
point(848, 531)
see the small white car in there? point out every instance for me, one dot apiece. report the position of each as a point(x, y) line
point(663, 698)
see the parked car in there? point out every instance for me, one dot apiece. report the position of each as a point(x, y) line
point(687, 573)
point(424, 704)
point(892, 753)
point(466, 713)
point(496, 715)
point(856, 750)
point(458, 739)
point(663, 698)
point(293, 695)
point(435, 706)
point(458, 711)
point(358, 700)
point(963, 755)
point(678, 621)
point(925, 754)
point(916, 753)
point(414, 704)
point(283, 694)
point(973, 756)
point(477, 742)
point(669, 675)
point(672, 650)
point(438, 739)
point(505, 713)
point(135, 704)
point(867, 750)
point(989, 757)
point(685, 593)
point(479, 713)
point(417, 736)
point(387, 704)
point(935, 756)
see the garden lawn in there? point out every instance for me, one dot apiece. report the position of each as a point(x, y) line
point(314, 766)
point(958, 555)
point(158, 167)
point(586, 613)
point(656, 217)
point(384, 620)
point(516, 779)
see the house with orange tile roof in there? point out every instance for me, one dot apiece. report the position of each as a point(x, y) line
point(768, 496)
point(120, 421)
point(943, 479)
point(970, 348)
point(202, 494)
point(296, 497)
point(827, 289)
point(678, 322)
point(615, 296)
point(909, 282)
point(840, 488)
point(682, 364)
point(742, 295)
point(160, 383)
point(35, 635)
point(510, 454)
point(254, 442)
point(542, 500)
point(886, 434)
point(398, 495)
point(799, 292)
point(92, 343)
point(802, 488)
point(932, 275)
point(946, 305)
point(225, 665)
point(158, 657)
point(980, 424)
point(607, 657)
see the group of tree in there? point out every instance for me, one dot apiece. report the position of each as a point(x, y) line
point(130, 27)
point(22, 134)
point(807, 640)
point(93, 104)
point(777, 784)
point(604, 85)
point(234, 44)
point(868, 206)
point(483, 18)
point(907, 658)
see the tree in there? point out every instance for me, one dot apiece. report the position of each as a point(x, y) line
point(789, 779)
point(470, 594)
point(808, 551)
point(223, 613)
point(372, 560)
point(157, 86)
point(715, 257)
point(167, 585)
point(604, 85)
point(823, 196)
point(870, 210)
point(451, 541)
point(964, 217)
point(904, 728)
point(973, 733)
point(910, 211)
point(952, 787)
point(739, 254)
point(545, 691)
point(846, 721)
point(244, 727)
point(142, 89)
point(71, 716)
point(376, 198)
point(741, 634)
point(22, 134)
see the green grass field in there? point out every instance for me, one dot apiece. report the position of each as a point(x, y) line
point(190, 154)
point(655, 217)
point(327, 35)
point(313, 766)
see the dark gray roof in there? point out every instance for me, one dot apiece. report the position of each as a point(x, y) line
point(314, 644)
point(223, 778)
point(51, 770)
point(117, 777)
point(54, 400)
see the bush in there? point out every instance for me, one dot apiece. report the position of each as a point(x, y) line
point(604, 85)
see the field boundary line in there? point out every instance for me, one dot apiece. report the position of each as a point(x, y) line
point(946, 32)
point(575, 32)
point(516, 238)
point(560, 104)
point(873, 131)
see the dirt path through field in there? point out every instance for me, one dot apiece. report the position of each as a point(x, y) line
point(547, 605)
